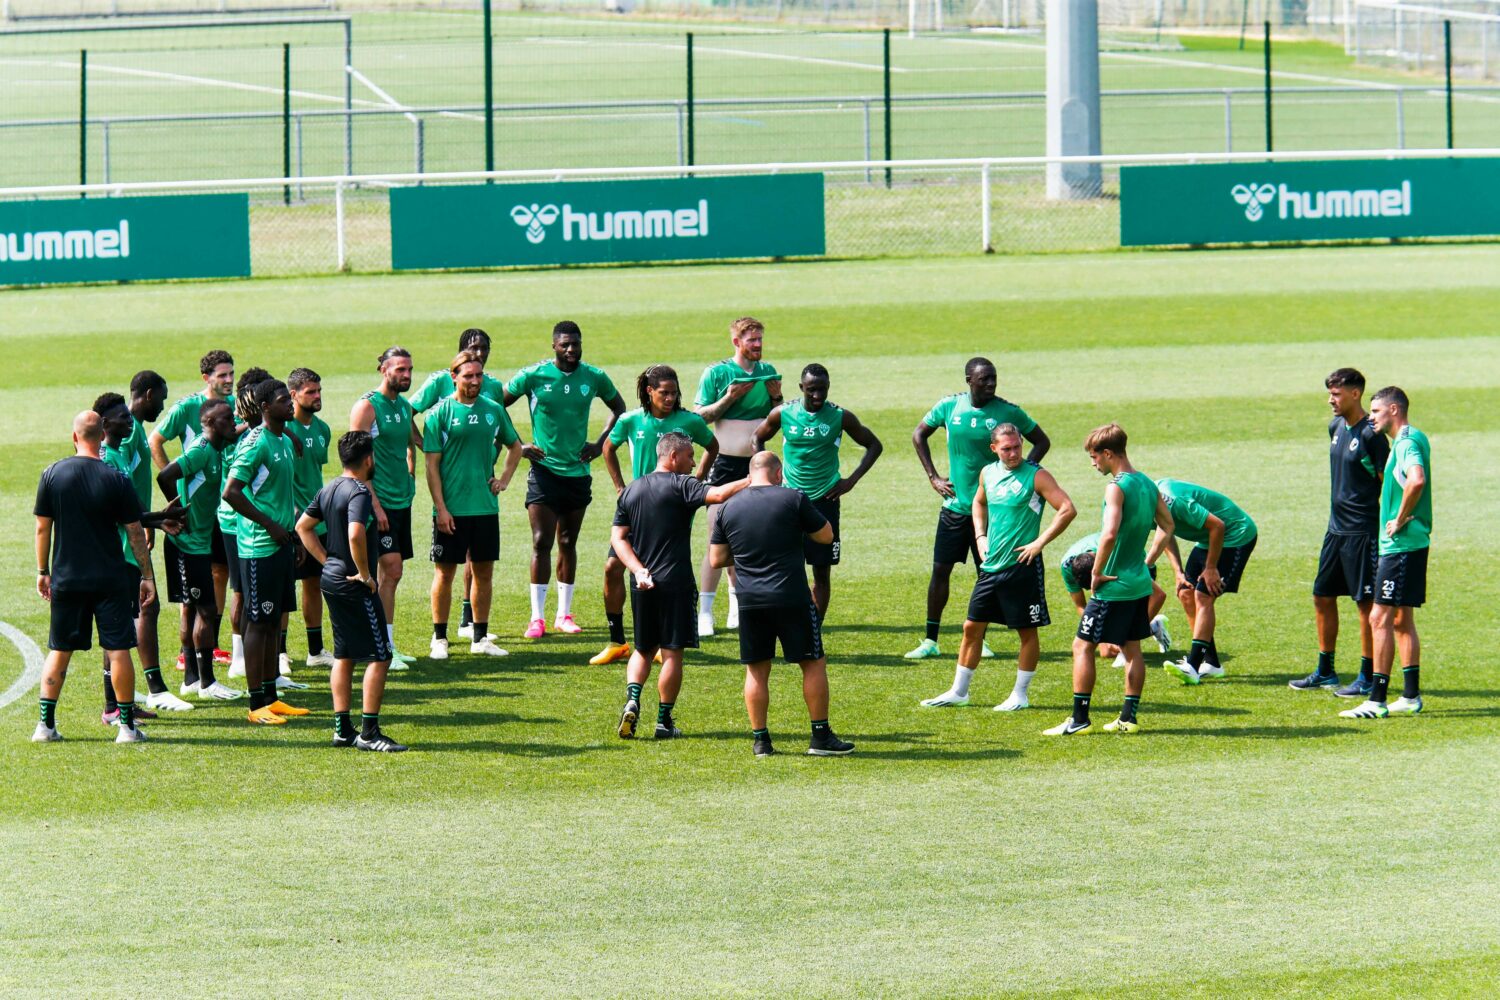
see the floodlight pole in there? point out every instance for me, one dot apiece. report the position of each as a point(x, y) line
point(1073, 98)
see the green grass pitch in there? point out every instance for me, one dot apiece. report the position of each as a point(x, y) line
point(1247, 842)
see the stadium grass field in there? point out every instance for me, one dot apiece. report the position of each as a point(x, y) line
point(1247, 842)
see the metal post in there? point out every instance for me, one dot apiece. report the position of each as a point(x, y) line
point(691, 107)
point(301, 172)
point(869, 151)
point(1269, 146)
point(1448, 75)
point(338, 222)
point(986, 242)
point(1400, 117)
point(286, 120)
point(681, 133)
point(83, 117)
point(104, 128)
point(348, 99)
point(1228, 120)
point(420, 130)
point(886, 37)
point(489, 91)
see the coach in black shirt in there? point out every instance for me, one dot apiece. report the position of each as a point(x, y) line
point(652, 536)
point(82, 508)
point(761, 532)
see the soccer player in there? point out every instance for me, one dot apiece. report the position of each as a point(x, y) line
point(1117, 612)
point(1077, 570)
point(660, 413)
point(460, 440)
point(347, 555)
point(734, 396)
point(247, 413)
point(259, 489)
point(148, 397)
point(1012, 585)
point(83, 509)
point(314, 436)
point(1401, 576)
point(1223, 536)
point(761, 531)
point(438, 387)
point(653, 532)
point(1351, 547)
point(813, 429)
point(195, 480)
point(968, 418)
point(386, 416)
point(558, 487)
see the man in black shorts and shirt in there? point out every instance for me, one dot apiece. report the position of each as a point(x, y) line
point(653, 533)
point(1346, 567)
point(761, 533)
point(351, 592)
point(83, 509)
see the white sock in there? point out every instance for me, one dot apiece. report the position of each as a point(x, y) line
point(564, 599)
point(706, 602)
point(538, 599)
point(237, 648)
point(734, 600)
point(961, 678)
point(390, 635)
point(1023, 681)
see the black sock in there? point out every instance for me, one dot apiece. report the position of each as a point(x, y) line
point(218, 621)
point(481, 629)
point(1128, 709)
point(440, 630)
point(1411, 681)
point(820, 727)
point(315, 641)
point(205, 671)
point(1197, 652)
point(342, 727)
point(369, 724)
point(616, 627)
point(190, 673)
point(664, 713)
point(759, 734)
point(1366, 668)
point(153, 680)
point(282, 649)
point(109, 693)
point(1379, 686)
point(932, 629)
point(466, 616)
point(1325, 664)
point(268, 691)
point(1080, 708)
point(127, 715)
point(633, 693)
point(1213, 653)
point(49, 713)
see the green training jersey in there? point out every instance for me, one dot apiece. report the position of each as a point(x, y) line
point(181, 422)
point(643, 430)
point(393, 482)
point(307, 478)
point(116, 459)
point(1410, 449)
point(137, 450)
point(559, 404)
point(439, 386)
point(810, 447)
point(1190, 506)
point(1127, 560)
point(198, 490)
point(1071, 583)
point(1015, 509)
point(753, 405)
point(264, 462)
point(229, 519)
point(969, 429)
point(466, 435)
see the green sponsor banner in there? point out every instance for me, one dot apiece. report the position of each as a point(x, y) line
point(125, 239)
point(589, 222)
point(1315, 200)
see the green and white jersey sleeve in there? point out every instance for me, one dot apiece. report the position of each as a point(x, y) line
point(810, 446)
point(1071, 583)
point(643, 430)
point(466, 435)
point(137, 450)
point(753, 405)
point(559, 403)
point(1411, 449)
point(181, 422)
point(263, 462)
point(115, 459)
point(1190, 505)
point(229, 520)
point(437, 387)
point(308, 479)
point(198, 490)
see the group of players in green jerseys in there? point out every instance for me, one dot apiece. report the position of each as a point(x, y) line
point(249, 517)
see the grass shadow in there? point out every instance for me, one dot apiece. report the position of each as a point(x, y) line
point(1266, 732)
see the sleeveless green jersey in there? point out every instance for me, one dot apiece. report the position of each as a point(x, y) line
point(393, 482)
point(1015, 509)
point(1410, 449)
point(1127, 560)
point(642, 429)
point(810, 447)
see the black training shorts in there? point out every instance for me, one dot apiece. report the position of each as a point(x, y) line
point(1115, 622)
point(1015, 597)
point(728, 469)
point(1232, 562)
point(216, 552)
point(75, 614)
point(358, 620)
point(232, 559)
point(190, 577)
point(396, 538)
point(268, 585)
point(475, 537)
point(1346, 567)
point(664, 619)
point(796, 628)
point(955, 541)
point(1401, 579)
point(563, 494)
point(818, 554)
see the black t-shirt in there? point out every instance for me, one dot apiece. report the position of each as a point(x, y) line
point(1356, 457)
point(764, 528)
point(343, 502)
point(88, 502)
point(658, 509)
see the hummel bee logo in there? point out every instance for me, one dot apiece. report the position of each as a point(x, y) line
point(534, 219)
point(1253, 197)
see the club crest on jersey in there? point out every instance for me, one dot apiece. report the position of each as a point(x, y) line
point(584, 388)
point(1354, 445)
point(990, 423)
point(823, 429)
point(489, 418)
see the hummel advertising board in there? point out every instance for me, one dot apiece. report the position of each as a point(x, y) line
point(124, 239)
point(590, 222)
point(1315, 200)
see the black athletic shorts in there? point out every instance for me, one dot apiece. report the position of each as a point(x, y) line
point(358, 620)
point(824, 555)
point(563, 494)
point(1115, 622)
point(1015, 597)
point(216, 552)
point(309, 568)
point(475, 537)
point(664, 619)
point(1346, 567)
point(1231, 566)
point(75, 614)
point(269, 585)
point(232, 559)
point(1401, 579)
point(796, 628)
point(728, 469)
point(190, 577)
point(955, 539)
point(396, 538)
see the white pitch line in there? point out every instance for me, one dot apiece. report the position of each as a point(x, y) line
point(206, 81)
point(743, 53)
point(33, 658)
